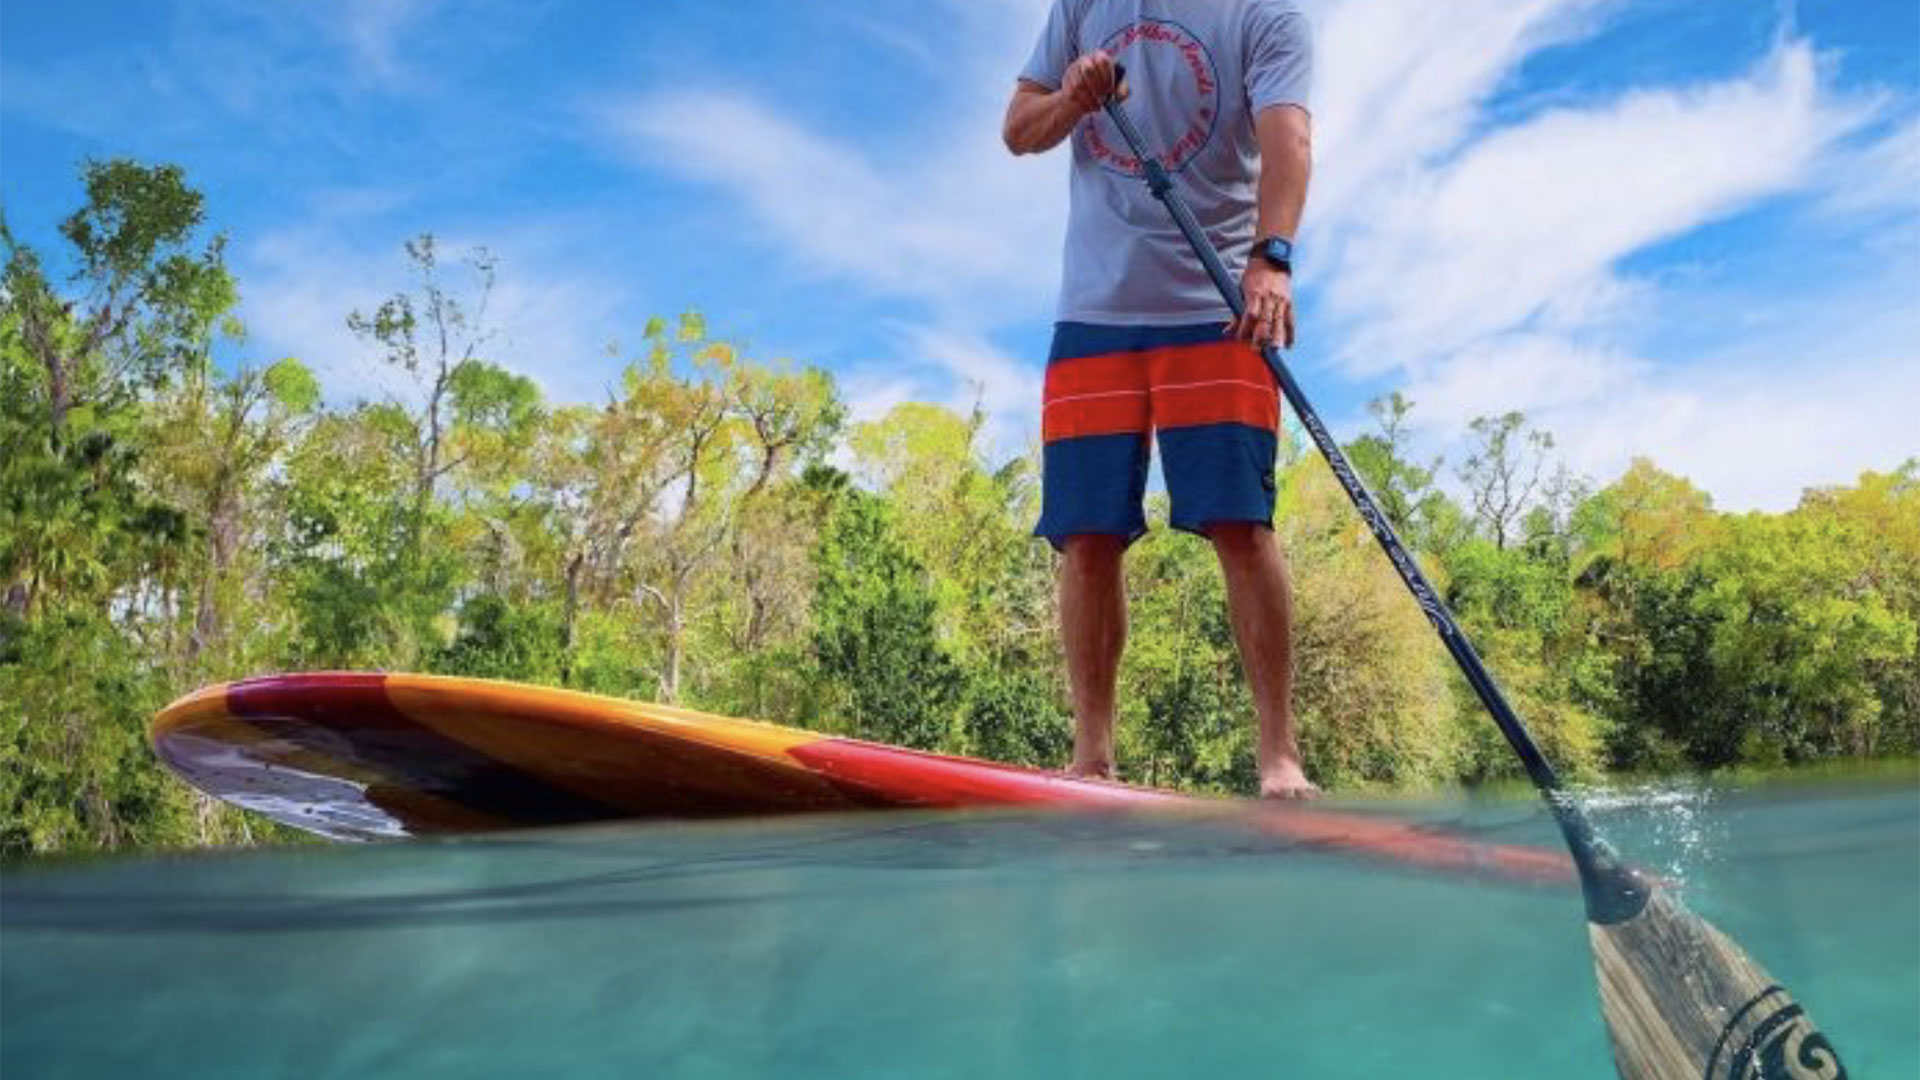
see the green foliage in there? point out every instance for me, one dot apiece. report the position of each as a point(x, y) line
point(1012, 713)
point(874, 636)
point(498, 639)
point(1503, 473)
point(1185, 717)
point(166, 521)
point(1798, 637)
point(1370, 680)
point(1421, 514)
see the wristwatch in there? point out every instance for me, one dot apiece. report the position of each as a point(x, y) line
point(1278, 251)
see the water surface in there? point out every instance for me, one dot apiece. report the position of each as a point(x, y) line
point(955, 945)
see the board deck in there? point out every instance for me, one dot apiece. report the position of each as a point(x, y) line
point(369, 755)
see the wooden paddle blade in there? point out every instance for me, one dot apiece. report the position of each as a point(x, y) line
point(1682, 1002)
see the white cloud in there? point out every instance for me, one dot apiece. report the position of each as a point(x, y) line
point(551, 319)
point(1398, 83)
point(1882, 174)
point(1755, 439)
point(1526, 371)
point(372, 30)
point(977, 372)
point(1753, 428)
point(946, 218)
point(954, 228)
point(1462, 241)
point(1488, 240)
point(298, 286)
point(1478, 263)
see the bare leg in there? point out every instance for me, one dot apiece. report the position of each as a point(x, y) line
point(1093, 628)
point(1260, 603)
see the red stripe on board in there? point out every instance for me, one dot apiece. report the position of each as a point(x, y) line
point(342, 699)
point(887, 776)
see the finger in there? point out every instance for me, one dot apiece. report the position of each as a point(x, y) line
point(1104, 80)
point(1086, 95)
point(1251, 320)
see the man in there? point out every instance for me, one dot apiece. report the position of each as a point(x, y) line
point(1144, 343)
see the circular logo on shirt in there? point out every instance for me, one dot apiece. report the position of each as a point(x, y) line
point(1175, 100)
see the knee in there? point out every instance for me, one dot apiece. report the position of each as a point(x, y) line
point(1240, 539)
point(1092, 555)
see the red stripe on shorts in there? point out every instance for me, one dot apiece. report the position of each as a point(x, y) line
point(1172, 386)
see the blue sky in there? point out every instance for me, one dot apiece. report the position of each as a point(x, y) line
point(1669, 228)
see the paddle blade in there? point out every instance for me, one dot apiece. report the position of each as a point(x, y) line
point(1683, 1002)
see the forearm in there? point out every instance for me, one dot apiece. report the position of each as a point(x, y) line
point(1038, 119)
point(1286, 165)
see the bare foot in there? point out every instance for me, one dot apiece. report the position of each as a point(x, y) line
point(1286, 780)
point(1091, 770)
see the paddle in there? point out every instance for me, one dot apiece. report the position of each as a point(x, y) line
point(1680, 998)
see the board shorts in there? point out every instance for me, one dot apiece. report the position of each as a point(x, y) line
point(1209, 400)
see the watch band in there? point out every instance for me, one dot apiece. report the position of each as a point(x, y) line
point(1277, 251)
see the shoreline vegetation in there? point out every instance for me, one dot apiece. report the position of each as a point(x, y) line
point(719, 534)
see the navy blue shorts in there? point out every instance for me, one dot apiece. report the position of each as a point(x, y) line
point(1210, 400)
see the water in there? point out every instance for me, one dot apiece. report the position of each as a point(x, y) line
point(909, 946)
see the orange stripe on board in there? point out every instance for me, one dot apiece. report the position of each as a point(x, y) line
point(690, 765)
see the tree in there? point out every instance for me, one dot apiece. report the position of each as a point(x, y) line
point(146, 303)
point(1370, 681)
point(215, 442)
point(1799, 639)
point(1403, 488)
point(1883, 510)
point(1638, 581)
point(376, 552)
point(969, 523)
point(874, 637)
point(93, 554)
point(1503, 472)
point(144, 308)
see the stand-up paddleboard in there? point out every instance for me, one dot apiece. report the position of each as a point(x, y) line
point(363, 756)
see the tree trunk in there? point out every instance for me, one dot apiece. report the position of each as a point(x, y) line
point(223, 539)
point(569, 612)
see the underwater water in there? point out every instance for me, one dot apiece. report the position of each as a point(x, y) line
point(938, 945)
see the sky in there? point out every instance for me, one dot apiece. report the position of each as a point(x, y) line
point(1671, 229)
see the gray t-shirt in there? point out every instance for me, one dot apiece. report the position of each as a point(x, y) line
point(1199, 70)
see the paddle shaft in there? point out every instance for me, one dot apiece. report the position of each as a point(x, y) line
point(1610, 887)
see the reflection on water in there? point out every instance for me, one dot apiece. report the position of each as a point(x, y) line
point(936, 946)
